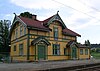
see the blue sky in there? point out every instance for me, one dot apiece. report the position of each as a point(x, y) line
point(81, 16)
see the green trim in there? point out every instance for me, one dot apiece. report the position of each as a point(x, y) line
point(46, 52)
point(35, 52)
point(49, 37)
point(57, 55)
point(18, 40)
point(39, 29)
point(73, 53)
point(19, 37)
point(36, 55)
point(28, 46)
point(41, 55)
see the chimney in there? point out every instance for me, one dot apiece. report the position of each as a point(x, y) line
point(34, 17)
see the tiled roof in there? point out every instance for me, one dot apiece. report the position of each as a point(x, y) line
point(70, 32)
point(41, 25)
point(33, 23)
point(82, 46)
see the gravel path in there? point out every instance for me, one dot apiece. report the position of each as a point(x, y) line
point(33, 66)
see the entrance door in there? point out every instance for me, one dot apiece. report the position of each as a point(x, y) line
point(41, 52)
point(74, 52)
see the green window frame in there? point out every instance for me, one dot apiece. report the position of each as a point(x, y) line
point(21, 30)
point(86, 51)
point(16, 32)
point(20, 49)
point(56, 49)
point(24, 30)
point(14, 48)
point(81, 51)
point(55, 33)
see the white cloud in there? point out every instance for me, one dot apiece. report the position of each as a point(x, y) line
point(8, 17)
point(72, 19)
point(36, 4)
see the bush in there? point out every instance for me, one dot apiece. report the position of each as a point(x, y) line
point(98, 50)
point(1, 56)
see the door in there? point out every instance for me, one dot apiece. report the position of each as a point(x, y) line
point(74, 52)
point(41, 52)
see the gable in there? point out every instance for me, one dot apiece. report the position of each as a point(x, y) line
point(57, 18)
point(17, 21)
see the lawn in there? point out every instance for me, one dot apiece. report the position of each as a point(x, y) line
point(96, 55)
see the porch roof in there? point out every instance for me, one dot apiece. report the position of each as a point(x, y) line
point(40, 39)
point(76, 44)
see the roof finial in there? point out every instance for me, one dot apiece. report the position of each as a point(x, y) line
point(57, 11)
point(14, 14)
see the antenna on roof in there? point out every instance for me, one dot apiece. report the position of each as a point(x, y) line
point(57, 11)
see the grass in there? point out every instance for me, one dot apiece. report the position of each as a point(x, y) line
point(96, 55)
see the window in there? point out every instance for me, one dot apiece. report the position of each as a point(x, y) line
point(21, 30)
point(20, 49)
point(86, 51)
point(56, 49)
point(81, 51)
point(55, 33)
point(65, 53)
point(24, 30)
point(16, 32)
point(14, 47)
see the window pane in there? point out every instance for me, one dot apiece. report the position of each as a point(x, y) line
point(14, 47)
point(16, 32)
point(86, 51)
point(56, 49)
point(24, 30)
point(21, 29)
point(81, 51)
point(55, 33)
point(21, 49)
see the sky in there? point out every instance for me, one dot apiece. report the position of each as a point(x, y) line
point(81, 16)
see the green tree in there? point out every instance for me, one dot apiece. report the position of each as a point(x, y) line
point(4, 36)
point(87, 43)
point(26, 14)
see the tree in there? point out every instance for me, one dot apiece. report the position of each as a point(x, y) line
point(26, 14)
point(4, 36)
point(87, 43)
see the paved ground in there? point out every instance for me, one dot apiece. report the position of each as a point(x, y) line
point(33, 66)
